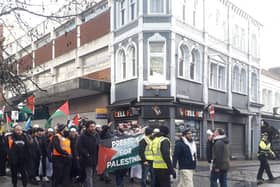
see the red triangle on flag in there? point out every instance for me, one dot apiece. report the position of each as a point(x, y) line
point(65, 108)
point(76, 120)
point(105, 154)
point(31, 102)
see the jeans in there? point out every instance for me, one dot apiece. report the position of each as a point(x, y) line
point(264, 166)
point(120, 174)
point(145, 170)
point(221, 175)
point(89, 176)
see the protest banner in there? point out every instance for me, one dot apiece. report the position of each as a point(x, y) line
point(118, 153)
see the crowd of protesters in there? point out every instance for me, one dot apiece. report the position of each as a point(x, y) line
point(67, 155)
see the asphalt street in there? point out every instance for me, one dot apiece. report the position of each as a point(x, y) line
point(241, 174)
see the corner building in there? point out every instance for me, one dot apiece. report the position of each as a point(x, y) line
point(173, 59)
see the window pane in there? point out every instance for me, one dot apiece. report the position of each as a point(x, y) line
point(157, 6)
point(213, 75)
point(156, 47)
point(221, 80)
point(156, 66)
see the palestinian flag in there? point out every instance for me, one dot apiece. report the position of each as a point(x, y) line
point(76, 120)
point(63, 110)
point(2, 113)
point(27, 107)
point(9, 122)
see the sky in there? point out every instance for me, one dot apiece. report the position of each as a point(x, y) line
point(267, 13)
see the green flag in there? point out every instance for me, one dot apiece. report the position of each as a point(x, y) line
point(63, 110)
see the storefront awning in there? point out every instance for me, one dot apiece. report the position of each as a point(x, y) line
point(273, 123)
point(241, 111)
point(75, 88)
point(122, 103)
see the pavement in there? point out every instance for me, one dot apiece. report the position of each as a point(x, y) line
point(242, 174)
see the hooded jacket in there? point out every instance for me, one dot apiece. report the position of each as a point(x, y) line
point(220, 153)
point(182, 154)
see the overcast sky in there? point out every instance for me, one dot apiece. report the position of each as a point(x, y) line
point(267, 12)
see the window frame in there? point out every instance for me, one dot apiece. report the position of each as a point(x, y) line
point(156, 13)
point(156, 38)
point(214, 84)
point(134, 14)
point(254, 82)
point(130, 63)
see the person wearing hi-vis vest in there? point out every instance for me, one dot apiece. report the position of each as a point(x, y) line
point(162, 163)
point(61, 156)
point(146, 155)
point(263, 154)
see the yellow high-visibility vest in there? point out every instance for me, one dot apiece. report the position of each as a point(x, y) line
point(158, 162)
point(148, 149)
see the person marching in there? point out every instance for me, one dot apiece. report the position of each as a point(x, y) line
point(146, 155)
point(88, 147)
point(18, 155)
point(263, 153)
point(61, 156)
point(162, 164)
point(185, 154)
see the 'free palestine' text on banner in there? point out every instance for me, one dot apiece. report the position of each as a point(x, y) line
point(118, 153)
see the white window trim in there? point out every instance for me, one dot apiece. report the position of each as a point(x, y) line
point(119, 77)
point(255, 99)
point(213, 61)
point(132, 44)
point(186, 73)
point(118, 64)
point(157, 38)
point(135, 10)
point(236, 82)
point(244, 82)
point(156, 13)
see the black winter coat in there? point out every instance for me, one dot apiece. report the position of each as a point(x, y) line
point(19, 152)
point(182, 154)
point(88, 147)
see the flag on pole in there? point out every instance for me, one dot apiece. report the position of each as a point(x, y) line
point(28, 124)
point(76, 120)
point(28, 106)
point(2, 113)
point(63, 110)
point(9, 122)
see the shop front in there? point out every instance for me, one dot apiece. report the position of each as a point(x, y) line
point(192, 118)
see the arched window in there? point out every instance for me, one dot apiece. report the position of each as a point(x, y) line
point(243, 81)
point(131, 61)
point(183, 61)
point(235, 79)
point(254, 86)
point(195, 65)
point(121, 65)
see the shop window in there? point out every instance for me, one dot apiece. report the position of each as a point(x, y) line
point(194, 125)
